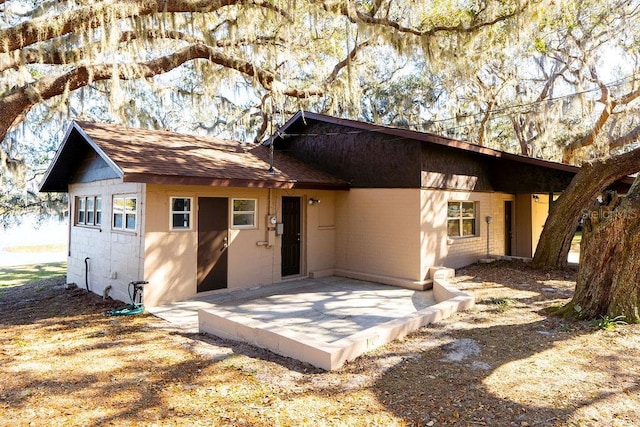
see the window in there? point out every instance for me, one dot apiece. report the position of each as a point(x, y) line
point(461, 219)
point(124, 213)
point(81, 211)
point(89, 210)
point(98, 210)
point(181, 213)
point(244, 213)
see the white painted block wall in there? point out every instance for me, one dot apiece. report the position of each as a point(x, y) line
point(115, 257)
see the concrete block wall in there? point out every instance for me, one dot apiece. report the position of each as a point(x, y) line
point(115, 257)
point(467, 250)
point(378, 232)
point(439, 249)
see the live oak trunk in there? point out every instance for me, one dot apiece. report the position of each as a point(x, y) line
point(592, 179)
point(608, 280)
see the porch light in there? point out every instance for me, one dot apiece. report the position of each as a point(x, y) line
point(488, 219)
point(313, 201)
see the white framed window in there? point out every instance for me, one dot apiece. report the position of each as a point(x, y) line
point(180, 213)
point(98, 210)
point(90, 204)
point(244, 213)
point(125, 213)
point(81, 212)
point(88, 211)
point(461, 219)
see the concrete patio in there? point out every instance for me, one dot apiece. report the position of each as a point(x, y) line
point(323, 321)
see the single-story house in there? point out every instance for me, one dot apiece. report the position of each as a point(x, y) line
point(325, 196)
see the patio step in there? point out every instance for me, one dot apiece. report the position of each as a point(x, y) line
point(425, 285)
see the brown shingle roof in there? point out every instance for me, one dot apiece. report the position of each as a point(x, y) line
point(173, 158)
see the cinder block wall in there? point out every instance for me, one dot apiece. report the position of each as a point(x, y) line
point(378, 232)
point(115, 257)
point(466, 250)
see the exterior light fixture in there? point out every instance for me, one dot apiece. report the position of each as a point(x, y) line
point(313, 201)
point(488, 219)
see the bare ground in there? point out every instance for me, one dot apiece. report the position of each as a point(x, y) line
point(504, 363)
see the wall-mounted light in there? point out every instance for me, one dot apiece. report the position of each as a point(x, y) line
point(488, 219)
point(313, 201)
point(536, 197)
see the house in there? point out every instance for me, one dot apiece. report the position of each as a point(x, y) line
point(329, 196)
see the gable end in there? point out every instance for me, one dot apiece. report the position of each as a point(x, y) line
point(78, 160)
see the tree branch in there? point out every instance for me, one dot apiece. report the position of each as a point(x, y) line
point(628, 138)
point(18, 102)
point(101, 14)
point(516, 122)
point(593, 177)
point(56, 56)
point(357, 16)
point(482, 131)
point(609, 107)
point(340, 65)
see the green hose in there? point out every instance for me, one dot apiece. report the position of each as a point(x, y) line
point(133, 308)
point(127, 310)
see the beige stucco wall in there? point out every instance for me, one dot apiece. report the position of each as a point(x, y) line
point(116, 257)
point(254, 256)
point(531, 214)
point(385, 233)
point(401, 233)
point(378, 232)
point(539, 213)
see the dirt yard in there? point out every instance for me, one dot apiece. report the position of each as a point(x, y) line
point(505, 363)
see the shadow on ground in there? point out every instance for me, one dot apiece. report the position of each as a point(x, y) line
point(482, 373)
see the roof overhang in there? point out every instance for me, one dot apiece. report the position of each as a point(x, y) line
point(301, 117)
point(73, 148)
point(231, 182)
point(113, 145)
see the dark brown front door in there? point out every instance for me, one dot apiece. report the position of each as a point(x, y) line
point(508, 232)
point(291, 236)
point(213, 240)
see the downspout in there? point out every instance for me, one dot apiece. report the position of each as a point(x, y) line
point(86, 273)
point(71, 210)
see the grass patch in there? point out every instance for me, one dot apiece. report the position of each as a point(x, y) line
point(36, 248)
point(606, 322)
point(502, 304)
point(15, 276)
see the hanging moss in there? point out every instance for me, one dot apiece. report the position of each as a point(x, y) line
point(300, 43)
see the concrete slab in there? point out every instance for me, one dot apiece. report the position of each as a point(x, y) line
point(324, 321)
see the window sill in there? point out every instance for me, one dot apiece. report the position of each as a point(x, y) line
point(455, 240)
point(125, 232)
point(89, 227)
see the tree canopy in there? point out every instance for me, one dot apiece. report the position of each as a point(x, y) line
point(546, 78)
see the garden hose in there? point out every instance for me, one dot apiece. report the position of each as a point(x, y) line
point(136, 307)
